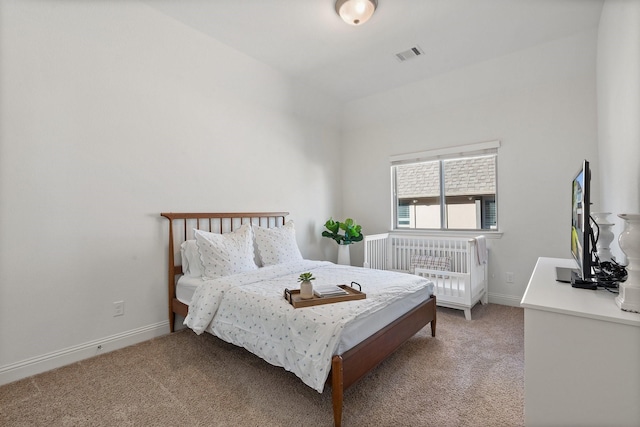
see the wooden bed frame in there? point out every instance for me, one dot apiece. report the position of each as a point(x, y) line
point(346, 368)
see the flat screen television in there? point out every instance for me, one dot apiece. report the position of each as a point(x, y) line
point(582, 243)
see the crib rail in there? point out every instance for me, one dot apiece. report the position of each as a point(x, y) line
point(449, 284)
point(393, 252)
point(375, 251)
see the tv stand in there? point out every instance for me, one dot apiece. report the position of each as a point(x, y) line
point(579, 283)
point(581, 354)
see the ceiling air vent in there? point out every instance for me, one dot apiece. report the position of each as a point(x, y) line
point(409, 54)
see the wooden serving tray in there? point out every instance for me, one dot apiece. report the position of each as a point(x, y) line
point(293, 296)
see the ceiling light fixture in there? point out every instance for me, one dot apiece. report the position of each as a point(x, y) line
point(356, 12)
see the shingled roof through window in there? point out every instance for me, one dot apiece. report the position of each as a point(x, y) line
point(464, 177)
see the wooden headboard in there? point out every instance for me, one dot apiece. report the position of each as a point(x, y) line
point(181, 226)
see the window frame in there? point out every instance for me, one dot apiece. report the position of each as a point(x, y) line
point(441, 154)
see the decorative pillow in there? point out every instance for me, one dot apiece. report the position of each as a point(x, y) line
point(225, 254)
point(429, 262)
point(277, 245)
point(191, 263)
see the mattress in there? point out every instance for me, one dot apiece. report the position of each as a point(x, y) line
point(354, 332)
point(186, 287)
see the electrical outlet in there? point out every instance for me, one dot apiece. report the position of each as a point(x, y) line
point(118, 308)
point(508, 277)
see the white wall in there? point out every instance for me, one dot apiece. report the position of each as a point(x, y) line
point(540, 102)
point(110, 114)
point(619, 110)
point(108, 109)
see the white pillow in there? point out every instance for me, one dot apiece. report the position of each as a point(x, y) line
point(191, 263)
point(226, 254)
point(429, 263)
point(277, 245)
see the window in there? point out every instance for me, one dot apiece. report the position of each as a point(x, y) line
point(447, 189)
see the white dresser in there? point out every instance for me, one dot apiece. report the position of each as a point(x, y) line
point(582, 354)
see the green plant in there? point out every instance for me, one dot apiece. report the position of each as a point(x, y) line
point(306, 277)
point(344, 233)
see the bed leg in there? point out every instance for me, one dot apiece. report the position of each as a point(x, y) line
point(337, 386)
point(435, 316)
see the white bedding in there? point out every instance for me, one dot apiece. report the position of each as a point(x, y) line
point(249, 310)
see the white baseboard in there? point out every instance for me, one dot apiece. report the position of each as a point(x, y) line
point(57, 359)
point(503, 299)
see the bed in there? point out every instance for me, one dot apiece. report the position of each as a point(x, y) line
point(225, 298)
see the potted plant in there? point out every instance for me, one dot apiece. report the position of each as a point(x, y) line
point(306, 287)
point(344, 233)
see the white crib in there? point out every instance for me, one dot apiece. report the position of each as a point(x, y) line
point(450, 262)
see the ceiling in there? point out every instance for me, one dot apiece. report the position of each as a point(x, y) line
point(307, 41)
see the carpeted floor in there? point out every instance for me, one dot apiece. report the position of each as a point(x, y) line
point(470, 374)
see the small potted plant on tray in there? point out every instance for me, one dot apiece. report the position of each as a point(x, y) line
point(306, 287)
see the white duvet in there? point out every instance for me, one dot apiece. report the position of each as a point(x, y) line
point(249, 310)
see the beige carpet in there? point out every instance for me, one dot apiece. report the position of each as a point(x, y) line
point(470, 374)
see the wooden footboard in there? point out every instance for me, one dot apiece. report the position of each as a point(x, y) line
point(349, 367)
